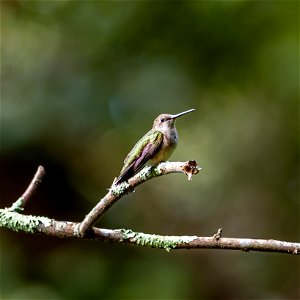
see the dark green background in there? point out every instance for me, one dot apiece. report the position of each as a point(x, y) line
point(82, 82)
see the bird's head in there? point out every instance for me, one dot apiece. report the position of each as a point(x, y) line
point(166, 122)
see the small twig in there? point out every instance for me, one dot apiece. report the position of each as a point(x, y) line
point(20, 204)
point(117, 191)
point(218, 235)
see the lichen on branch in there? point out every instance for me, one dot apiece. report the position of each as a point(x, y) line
point(18, 222)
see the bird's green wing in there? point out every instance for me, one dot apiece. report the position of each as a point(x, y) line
point(145, 149)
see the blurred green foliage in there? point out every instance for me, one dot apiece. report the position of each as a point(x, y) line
point(82, 82)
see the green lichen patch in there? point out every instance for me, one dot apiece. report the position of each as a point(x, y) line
point(156, 241)
point(145, 173)
point(119, 189)
point(17, 222)
point(18, 205)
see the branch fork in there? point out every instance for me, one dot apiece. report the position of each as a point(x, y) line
point(117, 191)
point(12, 218)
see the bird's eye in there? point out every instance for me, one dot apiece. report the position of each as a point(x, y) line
point(162, 120)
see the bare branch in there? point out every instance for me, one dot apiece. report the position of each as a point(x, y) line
point(117, 191)
point(60, 229)
point(20, 204)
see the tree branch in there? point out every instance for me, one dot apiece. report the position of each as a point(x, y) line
point(11, 218)
point(117, 191)
point(20, 204)
point(60, 229)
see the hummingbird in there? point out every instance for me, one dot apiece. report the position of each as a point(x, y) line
point(154, 147)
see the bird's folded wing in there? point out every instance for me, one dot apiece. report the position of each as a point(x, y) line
point(146, 148)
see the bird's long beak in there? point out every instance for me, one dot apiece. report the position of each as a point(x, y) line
point(182, 113)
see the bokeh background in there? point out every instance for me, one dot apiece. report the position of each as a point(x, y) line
point(82, 81)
